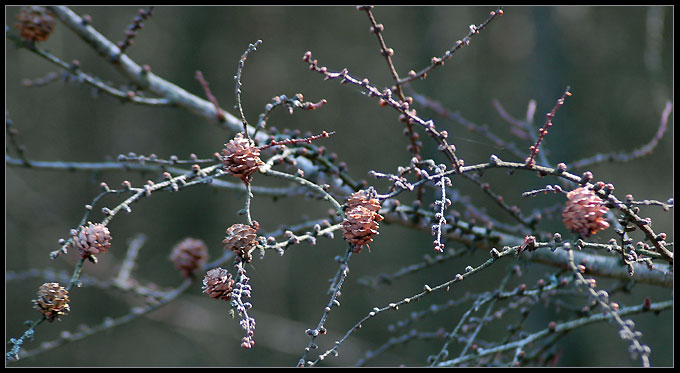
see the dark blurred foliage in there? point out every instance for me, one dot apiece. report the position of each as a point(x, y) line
point(619, 68)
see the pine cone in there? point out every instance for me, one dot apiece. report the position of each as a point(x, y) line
point(189, 255)
point(35, 23)
point(242, 240)
point(218, 283)
point(584, 212)
point(52, 301)
point(241, 158)
point(361, 219)
point(92, 240)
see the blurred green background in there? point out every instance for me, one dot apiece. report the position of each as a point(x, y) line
point(617, 60)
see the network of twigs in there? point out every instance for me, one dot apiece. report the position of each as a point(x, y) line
point(635, 251)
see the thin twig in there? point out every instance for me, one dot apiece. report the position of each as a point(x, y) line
point(237, 78)
point(628, 156)
point(558, 328)
point(209, 95)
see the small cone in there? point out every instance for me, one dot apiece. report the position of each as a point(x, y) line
point(361, 219)
point(584, 212)
point(52, 301)
point(241, 158)
point(218, 283)
point(189, 255)
point(35, 23)
point(92, 239)
point(242, 240)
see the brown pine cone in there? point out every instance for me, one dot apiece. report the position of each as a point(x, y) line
point(242, 240)
point(189, 255)
point(52, 301)
point(241, 158)
point(35, 23)
point(92, 240)
point(361, 219)
point(584, 212)
point(218, 283)
point(362, 198)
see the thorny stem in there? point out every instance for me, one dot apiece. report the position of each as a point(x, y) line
point(243, 290)
point(309, 237)
point(525, 128)
point(400, 106)
point(138, 193)
point(144, 167)
point(388, 52)
point(334, 290)
point(459, 44)
point(237, 78)
point(136, 24)
point(534, 149)
point(290, 103)
point(443, 204)
point(307, 140)
point(147, 190)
